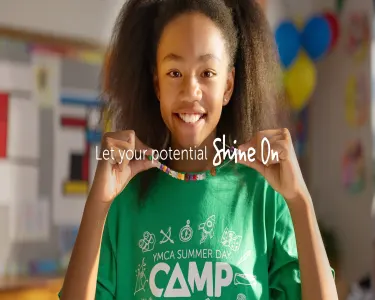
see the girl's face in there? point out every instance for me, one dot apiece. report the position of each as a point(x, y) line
point(192, 81)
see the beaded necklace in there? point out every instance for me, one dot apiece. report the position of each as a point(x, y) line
point(186, 176)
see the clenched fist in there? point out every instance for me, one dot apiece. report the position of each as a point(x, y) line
point(118, 163)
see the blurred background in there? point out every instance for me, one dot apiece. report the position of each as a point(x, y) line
point(51, 56)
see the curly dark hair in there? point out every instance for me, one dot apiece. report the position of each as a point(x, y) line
point(130, 93)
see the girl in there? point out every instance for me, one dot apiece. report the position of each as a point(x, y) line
point(184, 75)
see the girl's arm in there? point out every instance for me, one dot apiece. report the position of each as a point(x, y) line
point(81, 276)
point(283, 173)
point(316, 274)
point(111, 177)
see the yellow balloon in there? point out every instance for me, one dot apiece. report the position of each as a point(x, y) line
point(300, 81)
point(299, 22)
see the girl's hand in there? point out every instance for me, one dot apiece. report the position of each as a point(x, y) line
point(115, 168)
point(283, 172)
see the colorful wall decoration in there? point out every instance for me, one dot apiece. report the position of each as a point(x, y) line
point(50, 127)
point(358, 39)
point(49, 120)
point(79, 162)
point(77, 130)
point(300, 44)
point(353, 167)
point(357, 101)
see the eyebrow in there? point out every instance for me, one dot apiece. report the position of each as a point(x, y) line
point(205, 57)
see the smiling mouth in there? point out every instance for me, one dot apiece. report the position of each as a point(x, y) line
point(191, 118)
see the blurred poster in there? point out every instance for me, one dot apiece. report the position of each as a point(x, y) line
point(46, 79)
point(358, 40)
point(353, 167)
point(357, 100)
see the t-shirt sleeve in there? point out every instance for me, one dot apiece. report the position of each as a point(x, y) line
point(284, 271)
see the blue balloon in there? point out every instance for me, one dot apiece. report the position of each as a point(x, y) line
point(316, 37)
point(288, 42)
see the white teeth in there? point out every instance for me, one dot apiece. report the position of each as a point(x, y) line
point(190, 118)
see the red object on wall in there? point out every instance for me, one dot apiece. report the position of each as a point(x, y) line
point(80, 123)
point(335, 27)
point(4, 111)
point(75, 122)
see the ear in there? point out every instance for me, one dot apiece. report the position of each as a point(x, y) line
point(156, 84)
point(229, 87)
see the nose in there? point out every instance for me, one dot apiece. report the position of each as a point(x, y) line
point(191, 90)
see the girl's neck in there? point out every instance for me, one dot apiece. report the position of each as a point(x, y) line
point(198, 159)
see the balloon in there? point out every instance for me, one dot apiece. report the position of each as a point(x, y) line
point(288, 42)
point(300, 81)
point(335, 28)
point(299, 22)
point(316, 37)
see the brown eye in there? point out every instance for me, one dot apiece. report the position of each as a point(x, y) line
point(208, 74)
point(174, 74)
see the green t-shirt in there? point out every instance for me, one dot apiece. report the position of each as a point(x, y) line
point(229, 236)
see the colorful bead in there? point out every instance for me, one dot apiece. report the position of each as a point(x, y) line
point(186, 176)
point(149, 157)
